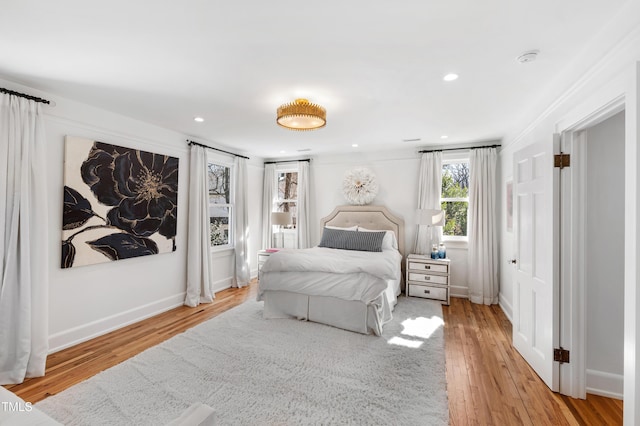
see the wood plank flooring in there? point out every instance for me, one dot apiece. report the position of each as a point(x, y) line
point(488, 382)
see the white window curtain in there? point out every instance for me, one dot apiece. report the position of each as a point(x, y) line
point(199, 267)
point(303, 205)
point(429, 190)
point(243, 273)
point(24, 230)
point(483, 236)
point(268, 193)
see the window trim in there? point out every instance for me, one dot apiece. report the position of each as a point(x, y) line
point(451, 158)
point(213, 158)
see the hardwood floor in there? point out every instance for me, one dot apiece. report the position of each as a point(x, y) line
point(488, 382)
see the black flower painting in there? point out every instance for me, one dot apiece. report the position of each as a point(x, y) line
point(122, 200)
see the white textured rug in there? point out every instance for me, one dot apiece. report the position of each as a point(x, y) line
point(284, 372)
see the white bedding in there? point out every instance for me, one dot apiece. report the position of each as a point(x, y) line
point(344, 274)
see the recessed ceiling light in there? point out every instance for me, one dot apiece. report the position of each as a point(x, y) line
point(444, 137)
point(355, 145)
point(198, 119)
point(283, 151)
point(450, 77)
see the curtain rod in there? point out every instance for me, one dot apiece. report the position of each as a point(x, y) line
point(287, 161)
point(458, 149)
point(22, 95)
point(216, 149)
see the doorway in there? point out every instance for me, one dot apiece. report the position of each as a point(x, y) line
point(592, 256)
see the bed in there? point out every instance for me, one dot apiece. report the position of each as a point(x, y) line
point(348, 289)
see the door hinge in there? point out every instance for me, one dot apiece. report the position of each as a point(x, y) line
point(561, 160)
point(561, 355)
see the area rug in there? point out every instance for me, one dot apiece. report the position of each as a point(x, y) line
point(275, 372)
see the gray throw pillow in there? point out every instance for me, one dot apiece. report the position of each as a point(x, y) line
point(351, 240)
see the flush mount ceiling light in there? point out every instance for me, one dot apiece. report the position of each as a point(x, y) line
point(301, 115)
point(450, 77)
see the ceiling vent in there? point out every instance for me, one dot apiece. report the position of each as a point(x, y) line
point(528, 56)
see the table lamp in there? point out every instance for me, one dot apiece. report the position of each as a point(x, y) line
point(281, 219)
point(430, 218)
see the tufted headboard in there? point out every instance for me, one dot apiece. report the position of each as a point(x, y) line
point(370, 217)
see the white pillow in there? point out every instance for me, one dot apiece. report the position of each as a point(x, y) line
point(389, 241)
point(348, 228)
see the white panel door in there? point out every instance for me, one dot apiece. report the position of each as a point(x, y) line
point(535, 308)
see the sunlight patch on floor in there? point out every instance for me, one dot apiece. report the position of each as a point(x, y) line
point(420, 327)
point(400, 341)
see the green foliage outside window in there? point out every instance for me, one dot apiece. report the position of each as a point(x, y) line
point(455, 198)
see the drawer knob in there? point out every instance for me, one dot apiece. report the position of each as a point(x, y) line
point(427, 292)
point(427, 278)
point(427, 266)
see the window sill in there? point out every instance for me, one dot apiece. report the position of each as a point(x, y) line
point(221, 251)
point(456, 244)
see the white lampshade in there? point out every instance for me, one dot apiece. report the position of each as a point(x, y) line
point(281, 218)
point(430, 217)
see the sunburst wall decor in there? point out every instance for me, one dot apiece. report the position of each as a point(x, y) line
point(360, 186)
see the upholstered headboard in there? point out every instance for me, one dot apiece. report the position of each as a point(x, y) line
point(371, 217)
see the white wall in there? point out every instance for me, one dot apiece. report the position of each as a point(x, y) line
point(397, 173)
point(605, 257)
point(91, 300)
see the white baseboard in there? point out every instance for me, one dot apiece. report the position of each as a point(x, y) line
point(506, 307)
point(82, 333)
point(605, 384)
point(222, 284)
point(459, 291)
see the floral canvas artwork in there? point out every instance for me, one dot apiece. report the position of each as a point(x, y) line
point(119, 203)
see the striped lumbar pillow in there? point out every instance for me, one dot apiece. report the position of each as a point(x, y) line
point(351, 240)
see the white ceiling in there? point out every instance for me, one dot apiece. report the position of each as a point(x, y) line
point(376, 66)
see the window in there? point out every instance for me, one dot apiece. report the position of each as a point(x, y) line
point(455, 198)
point(286, 200)
point(220, 203)
point(288, 194)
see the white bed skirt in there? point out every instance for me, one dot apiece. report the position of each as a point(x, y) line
point(352, 315)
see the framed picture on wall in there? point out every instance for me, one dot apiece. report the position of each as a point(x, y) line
point(119, 203)
point(509, 193)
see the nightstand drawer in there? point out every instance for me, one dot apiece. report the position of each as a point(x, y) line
point(429, 267)
point(426, 278)
point(439, 293)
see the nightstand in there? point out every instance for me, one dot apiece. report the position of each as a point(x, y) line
point(263, 255)
point(428, 278)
